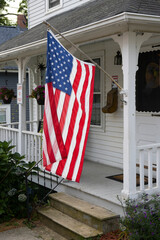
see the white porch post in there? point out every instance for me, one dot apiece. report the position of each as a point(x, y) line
point(22, 107)
point(130, 43)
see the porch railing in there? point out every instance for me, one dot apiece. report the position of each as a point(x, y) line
point(148, 158)
point(9, 134)
point(148, 167)
point(29, 125)
point(33, 145)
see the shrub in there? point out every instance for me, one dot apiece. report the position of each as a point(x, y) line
point(142, 218)
point(12, 183)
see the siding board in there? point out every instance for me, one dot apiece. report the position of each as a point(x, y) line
point(37, 10)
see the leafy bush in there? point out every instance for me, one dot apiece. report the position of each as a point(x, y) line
point(12, 183)
point(142, 218)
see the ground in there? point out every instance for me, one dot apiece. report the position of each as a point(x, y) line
point(43, 232)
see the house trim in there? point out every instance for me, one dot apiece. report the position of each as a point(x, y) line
point(104, 28)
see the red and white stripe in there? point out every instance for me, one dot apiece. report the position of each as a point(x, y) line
point(63, 155)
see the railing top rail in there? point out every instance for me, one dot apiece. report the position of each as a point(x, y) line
point(148, 146)
point(9, 129)
point(31, 133)
point(15, 123)
point(6, 124)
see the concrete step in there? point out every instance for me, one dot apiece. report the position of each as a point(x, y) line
point(92, 215)
point(67, 226)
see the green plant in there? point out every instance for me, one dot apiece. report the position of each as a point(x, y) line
point(12, 183)
point(6, 93)
point(142, 218)
point(38, 91)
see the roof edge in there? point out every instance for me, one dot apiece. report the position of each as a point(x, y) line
point(123, 18)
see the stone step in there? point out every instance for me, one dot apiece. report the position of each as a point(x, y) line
point(92, 215)
point(67, 226)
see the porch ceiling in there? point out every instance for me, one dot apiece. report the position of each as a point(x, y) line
point(90, 25)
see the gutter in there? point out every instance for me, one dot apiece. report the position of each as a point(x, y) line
point(123, 19)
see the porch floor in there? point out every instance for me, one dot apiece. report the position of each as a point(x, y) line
point(94, 185)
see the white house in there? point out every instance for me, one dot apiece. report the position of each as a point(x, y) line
point(128, 139)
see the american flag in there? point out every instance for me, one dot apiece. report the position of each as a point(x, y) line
point(67, 111)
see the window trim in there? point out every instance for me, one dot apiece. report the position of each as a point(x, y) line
point(48, 10)
point(100, 55)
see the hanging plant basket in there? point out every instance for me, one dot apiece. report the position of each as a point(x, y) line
point(39, 94)
point(7, 100)
point(40, 99)
point(6, 95)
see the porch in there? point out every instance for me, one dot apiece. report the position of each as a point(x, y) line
point(95, 186)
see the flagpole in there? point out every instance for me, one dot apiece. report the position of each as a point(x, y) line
point(88, 57)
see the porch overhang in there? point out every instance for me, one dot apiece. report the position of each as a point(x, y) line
point(95, 31)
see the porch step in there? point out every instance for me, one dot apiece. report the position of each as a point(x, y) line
point(67, 226)
point(92, 215)
point(76, 219)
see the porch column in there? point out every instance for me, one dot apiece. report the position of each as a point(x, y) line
point(22, 106)
point(130, 43)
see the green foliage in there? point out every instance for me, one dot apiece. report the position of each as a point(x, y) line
point(12, 183)
point(6, 93)
point(142, 218)
point(3, 19)
point(38, 91)
point(23, 7)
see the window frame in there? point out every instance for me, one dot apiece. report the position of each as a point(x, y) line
point(101, 127)
point(53, 8)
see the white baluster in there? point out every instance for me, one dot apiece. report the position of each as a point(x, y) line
point(150, 168)
point(141, 155)
point(158, 167)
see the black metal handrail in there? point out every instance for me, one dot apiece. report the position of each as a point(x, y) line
point(29, 173)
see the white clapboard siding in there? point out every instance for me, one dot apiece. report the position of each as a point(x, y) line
point(107, 147)
point(37, 10)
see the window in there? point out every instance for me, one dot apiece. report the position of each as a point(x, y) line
point(96, 110)
point(53, 3)
point(148, 82)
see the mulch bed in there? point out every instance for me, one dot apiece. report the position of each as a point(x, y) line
point(115, 235)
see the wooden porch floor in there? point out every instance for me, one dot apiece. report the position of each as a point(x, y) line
point(95, 187)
